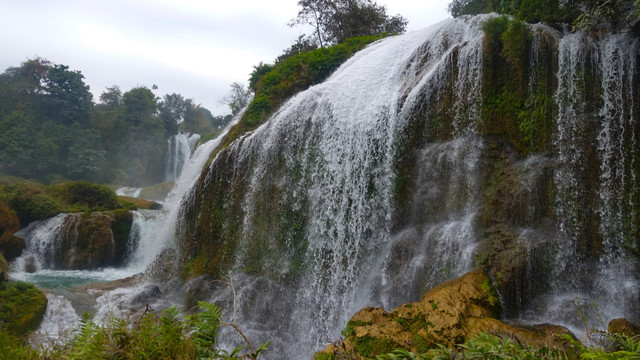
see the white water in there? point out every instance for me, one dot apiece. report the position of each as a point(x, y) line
point(339, 141)
point(612, 284)
point(40, 238)
point(342, 135)
point(179, 149)
point(129, 191)
point(152, 232)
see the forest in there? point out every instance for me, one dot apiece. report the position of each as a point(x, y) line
point(52, 129)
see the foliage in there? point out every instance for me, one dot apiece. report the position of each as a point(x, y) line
point(22, 307)
point(168, 335)
point(335, 21)
point(297, 73)
point(237, 98)
point(92, 196)
point(487, 346)
point(51, 129)
point(33, 201)
point(592, 15)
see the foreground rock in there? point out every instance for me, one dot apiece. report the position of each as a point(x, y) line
point(22, 307)
point(449, 314)
point(623, 327)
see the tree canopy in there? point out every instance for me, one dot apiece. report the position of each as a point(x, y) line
point(50, 128)
point(337, 20)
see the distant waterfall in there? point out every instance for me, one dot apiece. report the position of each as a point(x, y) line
point(179, 149)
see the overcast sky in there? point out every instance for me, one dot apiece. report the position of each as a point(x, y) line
point(196, 48)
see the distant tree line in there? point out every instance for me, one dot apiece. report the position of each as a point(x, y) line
point(52, 130)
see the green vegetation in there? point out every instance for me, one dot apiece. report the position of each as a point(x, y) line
point(22, 307)
point(168, 335)
point(274, 84)
point(592, 15)
point(517, 100)
point(334, 21)
point(487, 346)
point(297, 73)
point(348, 330)
point(34, 201)
point(52, 131)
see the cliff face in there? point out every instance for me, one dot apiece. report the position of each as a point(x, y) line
point(481, 142)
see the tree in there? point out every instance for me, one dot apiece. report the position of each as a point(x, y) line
point(237, 98)
point(172, 110)
point(337, 20)
point(68, 98)
point(596, 16)
point(139, 107)
point(112, 98)
point(302, 43)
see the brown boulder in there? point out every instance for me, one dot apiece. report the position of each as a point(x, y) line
point(623, 327)
point(448, 314)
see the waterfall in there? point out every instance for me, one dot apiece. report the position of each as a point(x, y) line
point(382, 182)
point(179, 149)
point(323, 169)
point(41, 238)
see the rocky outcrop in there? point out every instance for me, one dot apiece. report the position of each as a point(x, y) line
point(93, 240)
point(10, 245)
point(448, 314)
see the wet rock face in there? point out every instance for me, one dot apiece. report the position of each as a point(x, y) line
point(448, 314)
point(92, 241)
point(11, 246)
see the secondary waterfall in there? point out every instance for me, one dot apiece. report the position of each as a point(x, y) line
point(383, 181)
point(179, 149)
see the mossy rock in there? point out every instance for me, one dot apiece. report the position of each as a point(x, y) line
point(93, 240)
point(10, 245)
point(448, 315)
point(157, 192)
point(4, 270)
point(22, 307)
point(137, 203)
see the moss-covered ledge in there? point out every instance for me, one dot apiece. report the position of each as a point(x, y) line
point(22, 307)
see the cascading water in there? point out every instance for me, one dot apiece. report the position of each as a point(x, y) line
point(603, 114)
point(152, 232)
point(179, 149)
point(311, 216)
point(324, 166)
point(381, 182)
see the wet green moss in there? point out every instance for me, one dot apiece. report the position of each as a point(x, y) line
point(22, 307)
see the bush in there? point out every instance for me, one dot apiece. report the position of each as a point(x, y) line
point(85, 195)
point(22, 307)
point(157, 336)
